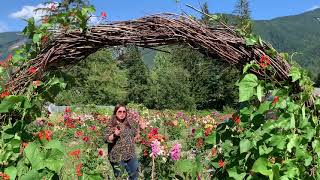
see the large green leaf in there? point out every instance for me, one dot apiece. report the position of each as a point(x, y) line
point(35, 156)
point(11, 171)
point(261, 166)
point(234, 174)
point(278, 141)
point(184, 165)
point(211, 139)
point(31, 175)
point(245, 145)
point(54, 164)
point(295, 73)
point(247, 87)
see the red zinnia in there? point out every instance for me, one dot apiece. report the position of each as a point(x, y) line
point(4, 176)
point(100, 152)
point(103, 14)
point(68, 109)
point(86, 139)
point(32, 70)
point(41, 135)
point(221, 163)
point(75, 153)
point(48, 134)
point(264, 61)
point(78, 133)
point(78, 169)
point(275, 100)
point(4, 94)
point(236, 119)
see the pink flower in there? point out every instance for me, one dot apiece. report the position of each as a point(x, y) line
point(93, 128)
point(175, 152)
point(156, 148)
point(53, 6)
point(103, 14)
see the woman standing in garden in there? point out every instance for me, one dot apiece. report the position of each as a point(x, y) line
point(121, 134)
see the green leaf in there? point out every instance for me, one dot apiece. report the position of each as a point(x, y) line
point(211, 139)
point(316, 146)
point(295, 73)
point(234, 174)
point(35, 156)
point(277, 141)
point(263, 149)
point(294, 141)
point(198, 133)
point(9, 102)
point(12, 172)
point(36, 38)
point(31, 175)
point(55, 144)
point(184, 165)
point(245, 145)
point(54, 164)
point(260, 92)
point(251, 41)
point(260, 166)
point(246, 87)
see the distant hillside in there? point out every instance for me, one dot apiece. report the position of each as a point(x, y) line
point(298, 33)
point(9, 41)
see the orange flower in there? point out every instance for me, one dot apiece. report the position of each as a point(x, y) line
point(264, 61)
point(32, 70)
point(75, 153)
point(67, 110)
point(36, 83)
point(221, 163)
point(236, 119)
point(214, 151)
point(41, 135)
point(4, 176)
point(4, 94)
point(208, 131)
point(78, 169)
point(48, 134)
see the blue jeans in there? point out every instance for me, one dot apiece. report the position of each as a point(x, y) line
point(131, 167)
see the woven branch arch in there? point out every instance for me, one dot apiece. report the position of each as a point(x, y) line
point(219, 42)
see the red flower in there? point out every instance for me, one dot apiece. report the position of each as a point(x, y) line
point(75, 153)
point(32, 70)
point(275, 100)
point(79, 133)
point(93, 128)
point(208, 131)
point(4, 176)
point(41, 135)
point(86, 139)
point(50, 124)
point(78, 169)
point(103, 14)
point(48, 134)
point(145, 153)
point(199, 143)
point(100, 152)
point(221, 163)
point(236, 119)
point(67, 110)
point(264, 61)
point(4, 94)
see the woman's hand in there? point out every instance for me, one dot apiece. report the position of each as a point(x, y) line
point(117, 131)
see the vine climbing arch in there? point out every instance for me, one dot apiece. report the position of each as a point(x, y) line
point(220, 42)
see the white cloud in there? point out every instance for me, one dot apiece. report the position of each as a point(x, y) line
point(28, 12)
point(3, 27)
point(313, 8)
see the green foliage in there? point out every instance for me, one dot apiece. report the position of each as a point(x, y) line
point(170, 88)
point(137, 74)
point(97, 80)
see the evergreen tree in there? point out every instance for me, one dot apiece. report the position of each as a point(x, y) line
point(242, 11)
point(169, 87)
point(137, 74)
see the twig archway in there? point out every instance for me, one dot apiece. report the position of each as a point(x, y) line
point(220, 42)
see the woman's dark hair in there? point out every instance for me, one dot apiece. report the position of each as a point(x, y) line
point(114, 121)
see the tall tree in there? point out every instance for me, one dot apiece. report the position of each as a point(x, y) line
point(170, 87)
point(242, 11)
point(137, 74)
